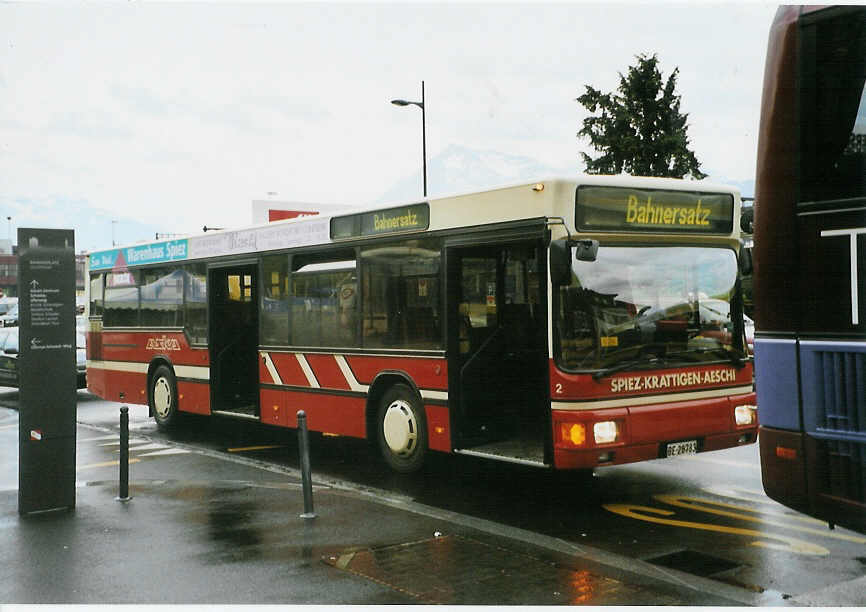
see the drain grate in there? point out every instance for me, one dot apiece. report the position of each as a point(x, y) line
point(693, 562)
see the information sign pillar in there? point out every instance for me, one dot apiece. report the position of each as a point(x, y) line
point(46, 370)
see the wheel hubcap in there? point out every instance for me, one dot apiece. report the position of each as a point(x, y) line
point(400, 428)
point(161, 397)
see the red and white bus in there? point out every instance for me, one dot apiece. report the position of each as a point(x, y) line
point(567, 323)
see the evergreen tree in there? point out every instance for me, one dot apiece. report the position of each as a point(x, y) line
point(639, 129)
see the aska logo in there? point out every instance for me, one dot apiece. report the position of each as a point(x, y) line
point(163, 344)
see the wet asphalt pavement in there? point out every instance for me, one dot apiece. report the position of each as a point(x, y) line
point(186, 537)
point(209, 527)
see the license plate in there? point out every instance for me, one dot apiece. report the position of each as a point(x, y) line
point(689, 447)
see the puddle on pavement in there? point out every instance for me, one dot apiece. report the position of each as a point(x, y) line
point(237, 521)
point(457, 570)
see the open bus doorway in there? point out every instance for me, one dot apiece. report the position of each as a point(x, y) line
point(498, 351)
point(234, 340)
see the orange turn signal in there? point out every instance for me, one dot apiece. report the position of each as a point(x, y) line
point(786, 453)
point(574, 433)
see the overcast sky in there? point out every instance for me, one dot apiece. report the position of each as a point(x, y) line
point(181, 114)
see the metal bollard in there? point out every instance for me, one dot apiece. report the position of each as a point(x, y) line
point(123, 496)
point(306, 478)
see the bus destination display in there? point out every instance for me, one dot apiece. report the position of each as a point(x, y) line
point(618, 209)
point(391, 221)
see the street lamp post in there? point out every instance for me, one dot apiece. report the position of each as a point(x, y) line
point(423, 131)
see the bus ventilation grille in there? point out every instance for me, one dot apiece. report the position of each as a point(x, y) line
point(842, 392)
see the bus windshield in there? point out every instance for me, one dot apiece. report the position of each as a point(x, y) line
point(649, 307)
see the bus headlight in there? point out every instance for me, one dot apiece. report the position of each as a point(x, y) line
point(745, 414)
point(605, 432)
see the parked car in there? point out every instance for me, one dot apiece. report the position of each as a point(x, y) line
point(9, 358)
point(10, 319)
point(6, 304)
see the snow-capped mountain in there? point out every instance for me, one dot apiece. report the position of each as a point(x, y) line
point(94, 228)
point(459, 169)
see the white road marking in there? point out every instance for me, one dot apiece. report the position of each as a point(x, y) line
point(133, 442)
point(151, 446)
point(168, 451)
point(108, 437)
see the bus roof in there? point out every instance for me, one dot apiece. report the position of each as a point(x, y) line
point(551, 197)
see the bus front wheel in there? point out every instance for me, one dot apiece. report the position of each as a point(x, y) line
point(163, 398)
point(402, 429)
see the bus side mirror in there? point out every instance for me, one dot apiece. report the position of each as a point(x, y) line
point(587, 250)
point(560, 258)
point(747, 220)
point(745, 261)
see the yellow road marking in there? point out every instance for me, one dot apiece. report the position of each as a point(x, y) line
point(758, 497)
point(254, 448)
point(103, 464)
point(789, 544)
point(693, 503)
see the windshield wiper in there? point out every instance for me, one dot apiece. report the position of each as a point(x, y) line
point(662, 358)
point(627, 365)
point(737, 359)
point(657, 352)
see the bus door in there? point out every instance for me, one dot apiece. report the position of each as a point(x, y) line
point(497, 350)
point(234, 339)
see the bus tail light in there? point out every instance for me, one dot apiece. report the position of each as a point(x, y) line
point(745, 414)
point(573, 433)
point(605, 432)
point(786, 453)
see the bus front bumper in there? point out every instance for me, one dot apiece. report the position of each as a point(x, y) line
point(592, 438)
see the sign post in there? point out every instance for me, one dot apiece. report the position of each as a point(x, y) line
point(46, 373)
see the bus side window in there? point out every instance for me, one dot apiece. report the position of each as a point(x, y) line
point(97, 282)
point(323, 300)
point(275, 300)
point(400, 295)
point(195, 302)
point(161, 297)
point(121, 299)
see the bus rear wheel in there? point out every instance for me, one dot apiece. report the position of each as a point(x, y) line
point(163, 398)
point(402, 429)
